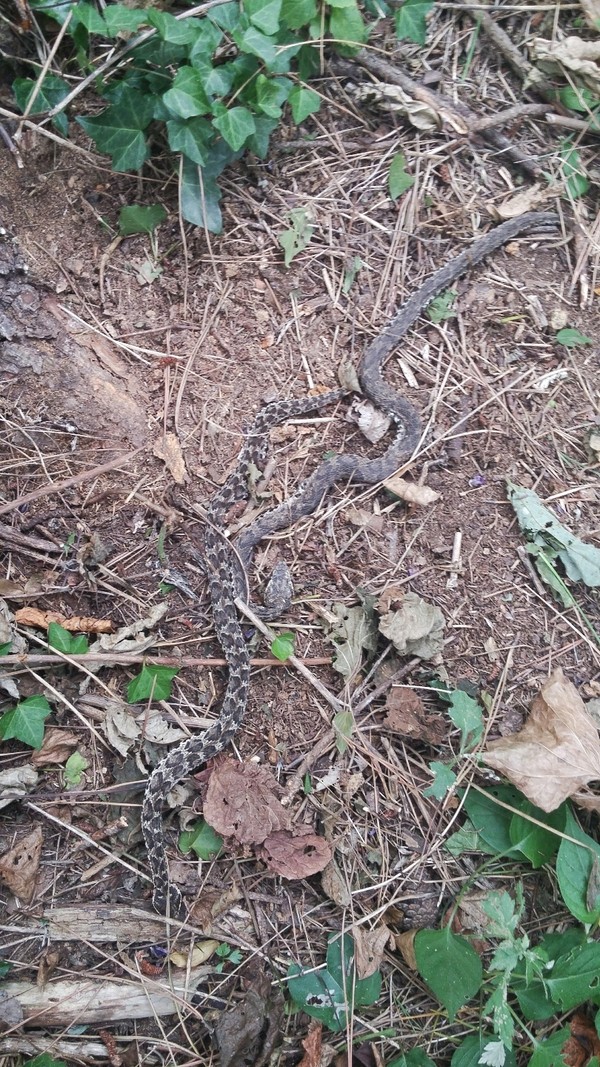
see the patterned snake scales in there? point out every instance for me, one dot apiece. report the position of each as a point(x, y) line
point(222, 567)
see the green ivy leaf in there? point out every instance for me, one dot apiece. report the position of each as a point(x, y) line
point(303, 102)
point(467, 716)
point(398, 179)
point(186, 97)
point(152, 682)
point(441, 308)
point(74, 768)
point(202, 840)
point(192, 137)
point(571, 338)
point(298, 13)
point(271, 94)
point(411, 21)
point(121, 19)
point(236, 125)
point(450, 966)
point(347, 26)
point(52, 91)
point(343, 724)
point(25, 722)
point(227, 16)
point(200, 199)
point(264, 14)
point(44, 1060)
point(139, 219)
point(175, 31)
point(298, 236)
point(577, 872)
point(64, 641)
point(88, 16)
point(443, 780)
point(54, 9)
point(283, 646)
point(119, 129)
point(572, 171)
point(259, 142)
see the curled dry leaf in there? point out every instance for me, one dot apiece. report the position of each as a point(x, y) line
point(312, 1045)
point(168, 449)
point(370, 946)
point(408, 716)
point(583, 1043)
point(365, 519)
point(76, 625)
point(557, 751)
point(242, 802)
point(573, 54)
point(526, 200)
point(335, 886)
point(56, 748)
point(416, 628)
point(405, 945)
point(19, 866)
point(393, 98)
point(295, 854)
point(410, 492)
point(371, 421)
point(15, 782)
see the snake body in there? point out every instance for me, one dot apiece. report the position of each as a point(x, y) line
point(221, 564)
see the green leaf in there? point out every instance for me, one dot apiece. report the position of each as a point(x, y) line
point(298, 13)
point(581, 561)
point(25, 722)
point(578, 98)
point(346, 25)
point(576, 978)
point(226, 15)
point(139, 219)
point(571, 338)
point(87, 15)
point(257, 44)
point(572, 171)
point(208, 39)
point(54, 9)
point(52, 91)
point(350, 273)
point(64, 641)
point(303, 102)
point(44, 1060)
point(121, 19)
point(202, 840)
point(296, 239)
point(264, 14)
point(577, 872)
point(259, 142)
point(490, 820)
point(199, 196)
point(450, 967)
point(398, 179)
point(119, 129)
point(536, 843)
point(319, 995)
point(175, 31)
point(340, 961)
point(464, 840)
point(152, 682)
point(74, 768)
point(283, 646)
point(187, 97)
point(467, 716)
point(5, 648)
point(271, 94)
point(443, 780)
point(236, 125)
point(415, 1057)
point(411, 21)
point(343, 724)
point(441, 308)
point(549, 1052)
point(470, 1051)
point(192, 137)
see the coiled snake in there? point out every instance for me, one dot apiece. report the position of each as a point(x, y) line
point(221, 565)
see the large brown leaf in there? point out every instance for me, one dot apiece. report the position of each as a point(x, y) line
point(557, 751)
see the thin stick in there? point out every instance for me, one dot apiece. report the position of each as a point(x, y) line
point(57, 487)
point(36, 659)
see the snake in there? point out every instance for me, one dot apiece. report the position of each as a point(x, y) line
point(222, 563)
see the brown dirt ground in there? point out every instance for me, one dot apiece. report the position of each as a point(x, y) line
point(195, 353)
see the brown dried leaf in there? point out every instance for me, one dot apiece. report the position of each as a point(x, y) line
point(557, 751)
point(365, 519)
point(75, 625)
point(410, 491)
point(370, 946)
point(312, 1044)
point(241, 802)
point(416, 628)
point(250, 1031)
point(56, 748)
point(168, 449)
point(15, 782)
point(583, 1043)
point(372, 422)
point(294, 854)
point(335, 886)
point(19, 866)
point(405, 944)
point(408, 716)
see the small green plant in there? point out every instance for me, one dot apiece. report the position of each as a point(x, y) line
point(64, 641)
point(25, 722)
point(44, 1060)
point(283, 646)
point(152, 683)
point(441, 308)
point(571, 338)
point(202, 840)
point(74, 768)
point(332, 992)
point(399, 181)
point(227, 954)
point(297, 237)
